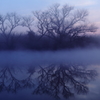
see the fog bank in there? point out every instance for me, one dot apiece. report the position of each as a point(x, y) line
point(24, 58)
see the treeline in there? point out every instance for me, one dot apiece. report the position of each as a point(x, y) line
point(31, 41)
point(58, 27)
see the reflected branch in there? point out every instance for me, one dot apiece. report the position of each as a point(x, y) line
point(10, 83)
point(63, 79)
point(55, 80)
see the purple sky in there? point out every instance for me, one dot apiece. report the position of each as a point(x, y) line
point(25, 7)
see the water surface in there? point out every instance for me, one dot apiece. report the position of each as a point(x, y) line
point(48, 75)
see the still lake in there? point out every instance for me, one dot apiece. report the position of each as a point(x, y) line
point(33, 75)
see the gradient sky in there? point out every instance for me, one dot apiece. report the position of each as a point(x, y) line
point(25, 7)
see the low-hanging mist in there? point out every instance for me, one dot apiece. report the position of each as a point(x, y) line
point(27, 58)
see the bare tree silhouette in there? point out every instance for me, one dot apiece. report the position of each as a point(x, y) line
point(28, 22)
point(58, 27)
point(63, 23)
point(8, 23)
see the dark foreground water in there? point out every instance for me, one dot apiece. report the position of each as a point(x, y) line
point(50, 75)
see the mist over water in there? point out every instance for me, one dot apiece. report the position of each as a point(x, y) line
point(87, 57)
point(77, 56)
point(43, 58)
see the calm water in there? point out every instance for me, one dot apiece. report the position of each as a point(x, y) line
point(50, 75)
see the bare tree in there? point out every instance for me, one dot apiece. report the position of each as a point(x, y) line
point(7, 25)
point(28, 22)
point(9, 22)
point(3, 28)
point(63, 22)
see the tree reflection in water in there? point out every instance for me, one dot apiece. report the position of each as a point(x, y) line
point(9, 82)
point(55, 80)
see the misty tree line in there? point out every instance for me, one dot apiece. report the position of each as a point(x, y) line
point(58, 27)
